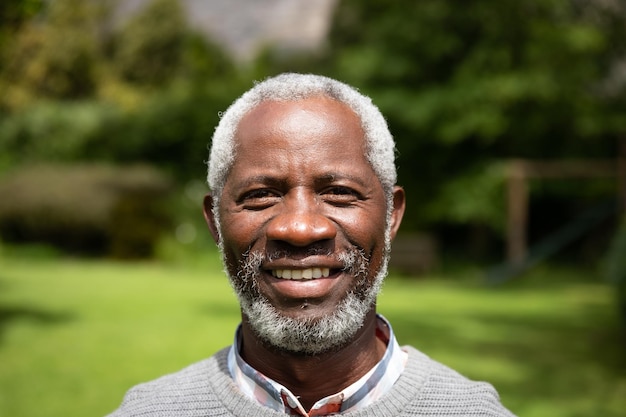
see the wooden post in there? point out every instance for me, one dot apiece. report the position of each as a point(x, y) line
point(520, 171)
point(517, 212)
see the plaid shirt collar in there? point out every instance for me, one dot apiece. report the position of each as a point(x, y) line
point(362, 393)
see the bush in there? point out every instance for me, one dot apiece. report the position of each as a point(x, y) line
point(54, 56)
point(171, 130)
point(86, 209)
point(149, 47)
point(53, 131)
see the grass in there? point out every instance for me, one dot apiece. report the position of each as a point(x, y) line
point(76, 334)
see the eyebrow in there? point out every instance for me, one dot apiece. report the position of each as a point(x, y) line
point(260, 179)
point(335, 176)
point(326, 178)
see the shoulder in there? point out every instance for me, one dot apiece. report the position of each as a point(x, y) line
point(444, 391)
point(187, 391)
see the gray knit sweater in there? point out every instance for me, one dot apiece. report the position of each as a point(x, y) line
point(425, 388)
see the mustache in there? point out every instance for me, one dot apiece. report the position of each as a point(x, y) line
point(353, 260)
point(293, 253)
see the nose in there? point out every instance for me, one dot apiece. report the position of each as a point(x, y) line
point(300, 223)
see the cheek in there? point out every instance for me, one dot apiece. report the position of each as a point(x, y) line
point(366, 228)
point(240, 231)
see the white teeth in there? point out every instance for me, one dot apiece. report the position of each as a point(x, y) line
point(299, 274)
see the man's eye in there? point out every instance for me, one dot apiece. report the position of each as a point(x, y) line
point(341, 195)
point(257, 199)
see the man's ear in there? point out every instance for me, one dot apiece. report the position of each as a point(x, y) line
point(399, 204)
point(207, 209)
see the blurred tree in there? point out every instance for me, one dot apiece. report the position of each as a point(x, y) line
point(54, 55)
point(149, 48)
point(149, 90)
point(171, 129)
point(13, 14)
point(77, 88)
point(465, 85)
point(202, 60)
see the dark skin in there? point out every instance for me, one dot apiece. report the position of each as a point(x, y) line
point(301, 180)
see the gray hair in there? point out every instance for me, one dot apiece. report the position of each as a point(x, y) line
point(380, 147)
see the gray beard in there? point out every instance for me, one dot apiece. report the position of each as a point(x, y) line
point(308, 336)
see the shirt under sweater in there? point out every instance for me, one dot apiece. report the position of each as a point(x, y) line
point(369, 388)
point(204, 389)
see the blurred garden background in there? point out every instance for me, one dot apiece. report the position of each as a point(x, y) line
point(510, 121)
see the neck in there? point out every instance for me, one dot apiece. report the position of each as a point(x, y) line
point(312, 377)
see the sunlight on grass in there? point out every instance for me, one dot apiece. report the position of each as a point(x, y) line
point(75, 335)
point(550, 350)
point(90, 330)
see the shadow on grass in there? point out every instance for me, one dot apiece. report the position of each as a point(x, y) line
point(578, 358)
point(11, 314)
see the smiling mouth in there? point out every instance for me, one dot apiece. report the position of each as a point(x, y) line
point(298, 274)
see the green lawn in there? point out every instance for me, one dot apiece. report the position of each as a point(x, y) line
point(75, 334)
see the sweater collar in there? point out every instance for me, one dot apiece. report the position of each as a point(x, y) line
point(369, 388)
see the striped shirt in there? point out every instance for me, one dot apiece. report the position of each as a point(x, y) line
point(370, 387)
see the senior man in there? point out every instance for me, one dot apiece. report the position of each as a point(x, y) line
point(304, 206)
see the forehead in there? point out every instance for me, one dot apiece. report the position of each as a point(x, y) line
point(309, 124)
point(318, 114)
point(317, 131)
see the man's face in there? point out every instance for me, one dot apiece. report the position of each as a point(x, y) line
point(303, 220)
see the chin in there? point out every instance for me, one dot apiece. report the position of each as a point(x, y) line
point(310, 335)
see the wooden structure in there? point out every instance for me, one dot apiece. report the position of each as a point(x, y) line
point(520, 171)
point(414, 254)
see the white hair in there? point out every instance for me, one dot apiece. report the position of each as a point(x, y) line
point(380, 146)
point(335, 330)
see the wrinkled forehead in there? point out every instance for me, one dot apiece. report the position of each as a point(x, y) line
point(378, 144)
point(314, 117)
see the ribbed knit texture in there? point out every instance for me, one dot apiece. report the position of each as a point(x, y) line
point(425, 388)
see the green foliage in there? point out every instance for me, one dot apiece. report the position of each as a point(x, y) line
point(149, 48)
point(478, 196)
point(89, 209)
point(13, 14)
point(53, 131)
point(171, 129)
point(56, 57)
point(203, 60)
point(148, 91)
point(73, 50)
point(464, 86)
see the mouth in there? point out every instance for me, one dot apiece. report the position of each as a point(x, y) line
point(301, 274)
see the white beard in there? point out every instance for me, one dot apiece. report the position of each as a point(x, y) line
point(308, 336)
